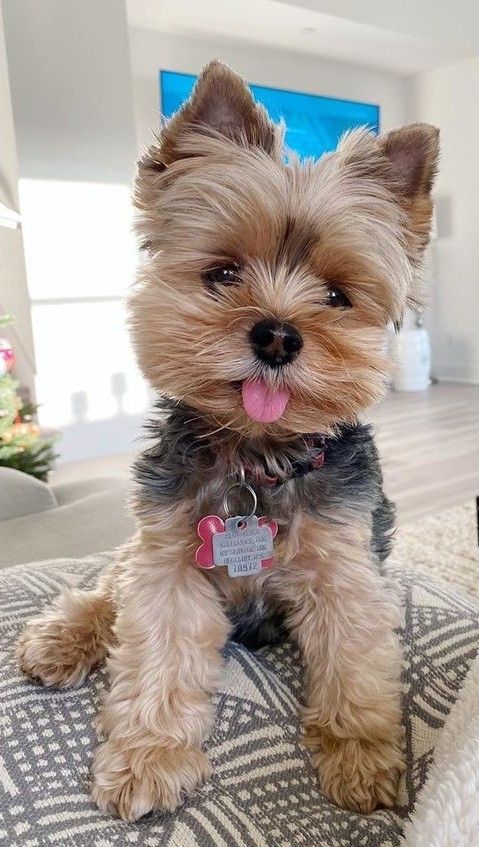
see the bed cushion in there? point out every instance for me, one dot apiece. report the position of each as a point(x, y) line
point(264, 791)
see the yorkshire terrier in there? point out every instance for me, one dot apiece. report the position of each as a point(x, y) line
point(259, 316)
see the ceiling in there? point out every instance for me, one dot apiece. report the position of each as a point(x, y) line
point(402, 37)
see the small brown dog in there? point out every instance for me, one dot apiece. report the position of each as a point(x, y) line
point(259, 315)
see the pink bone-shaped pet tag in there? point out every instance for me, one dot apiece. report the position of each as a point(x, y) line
point(243, 545)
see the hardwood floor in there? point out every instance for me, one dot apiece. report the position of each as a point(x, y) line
point(429, 444)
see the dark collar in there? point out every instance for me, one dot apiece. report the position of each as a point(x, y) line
point(314, 459)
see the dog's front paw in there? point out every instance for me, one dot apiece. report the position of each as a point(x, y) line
point(132, 782)
point(49, 652)
point(357, 774)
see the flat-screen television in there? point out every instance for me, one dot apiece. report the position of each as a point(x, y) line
point(314, 124)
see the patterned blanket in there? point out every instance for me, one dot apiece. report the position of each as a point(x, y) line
point(264, 791)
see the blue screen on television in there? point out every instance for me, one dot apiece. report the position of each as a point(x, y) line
point(314, 124)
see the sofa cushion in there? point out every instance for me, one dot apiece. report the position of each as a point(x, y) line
point(88, 517)
point(264, 791)
point(22, 494)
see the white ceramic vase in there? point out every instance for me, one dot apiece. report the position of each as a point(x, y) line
point(411, 353)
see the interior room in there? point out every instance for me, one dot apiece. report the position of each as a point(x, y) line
point(87, 91)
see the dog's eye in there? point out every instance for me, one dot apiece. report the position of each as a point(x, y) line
point(337, 297)
point(223, 275)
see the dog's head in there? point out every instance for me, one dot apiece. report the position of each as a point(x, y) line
point(267, 285)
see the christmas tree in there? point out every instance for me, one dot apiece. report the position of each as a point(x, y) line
point(22, 445)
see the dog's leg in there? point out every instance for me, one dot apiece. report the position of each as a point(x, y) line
point(62, 645)
point(343, 617)
point(166, 663)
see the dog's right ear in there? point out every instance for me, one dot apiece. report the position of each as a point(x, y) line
point(221, 104)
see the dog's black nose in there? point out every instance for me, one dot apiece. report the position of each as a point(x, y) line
point(275, 343)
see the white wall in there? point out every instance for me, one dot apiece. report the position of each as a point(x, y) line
point(73, 108)
point(151, 51)
point(448, 98)
point(71, 88)
point(13, 283)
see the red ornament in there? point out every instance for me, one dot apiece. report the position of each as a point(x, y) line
point(7, 354)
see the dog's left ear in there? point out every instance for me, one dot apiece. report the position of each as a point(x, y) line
point(412, 153)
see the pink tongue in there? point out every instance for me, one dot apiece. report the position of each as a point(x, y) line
point(261, 403)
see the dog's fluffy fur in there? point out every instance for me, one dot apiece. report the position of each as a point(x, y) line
point(215, 190)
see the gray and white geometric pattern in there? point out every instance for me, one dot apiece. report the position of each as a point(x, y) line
point(264, 791)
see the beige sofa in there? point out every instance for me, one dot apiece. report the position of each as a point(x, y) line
point(38, 521)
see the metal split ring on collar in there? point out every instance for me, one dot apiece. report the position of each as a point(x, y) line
point(241, 484)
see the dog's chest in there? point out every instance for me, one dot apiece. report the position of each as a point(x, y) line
point(245, 532)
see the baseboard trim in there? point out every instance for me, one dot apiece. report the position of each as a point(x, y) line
point(455, 373)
